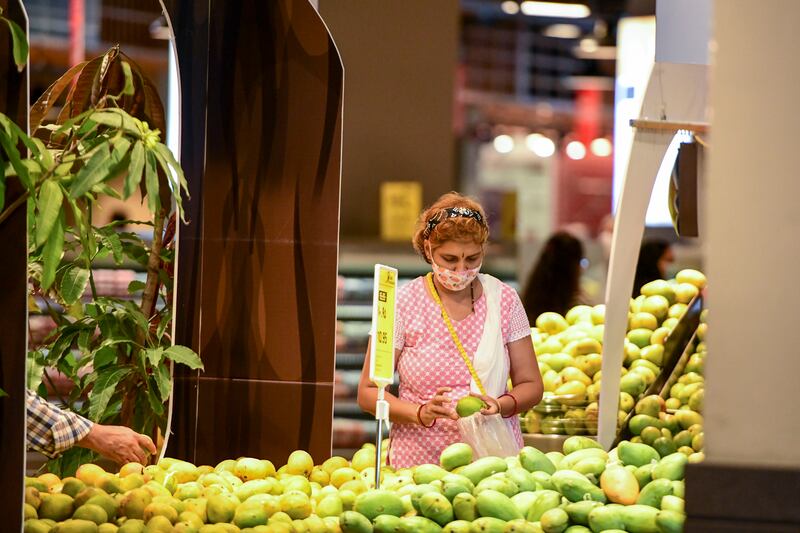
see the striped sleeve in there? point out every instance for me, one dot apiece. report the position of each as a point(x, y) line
point(51, 430)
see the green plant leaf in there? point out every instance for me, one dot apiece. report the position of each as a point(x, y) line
point(73, 284)
point(153, 398)
point(166, 318)
point(3, 393)
point(117, 119)
point(51, 255)
point(50, 199)
point(126, 69)
point(185, 356)
point(134, 176)
point(19, 44)
point(94, 171)
point(135, 286)
point(111, 240)
point(85, 340)
point(154, 356)
point(151, 182)
point(163, 381)
point(104, 357)
point(8, 142)
point(103, 389)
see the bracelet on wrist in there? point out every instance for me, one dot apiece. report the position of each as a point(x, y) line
point(419, 417)
point(514, 410)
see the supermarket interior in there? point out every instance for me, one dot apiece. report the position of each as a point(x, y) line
point(375, 266)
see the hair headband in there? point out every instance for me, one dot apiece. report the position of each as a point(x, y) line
point(452, 212)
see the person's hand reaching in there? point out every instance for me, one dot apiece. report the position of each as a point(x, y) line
point(440, 406)
point(119, 443)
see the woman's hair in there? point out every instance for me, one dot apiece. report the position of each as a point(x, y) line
point(554, 283)
point(647, 268)
point(453, 217)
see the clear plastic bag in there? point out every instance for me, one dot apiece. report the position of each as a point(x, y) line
point(488, 435)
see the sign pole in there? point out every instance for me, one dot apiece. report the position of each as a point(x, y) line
point(381, 362)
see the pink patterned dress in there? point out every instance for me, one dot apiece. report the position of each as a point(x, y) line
point(429, 360)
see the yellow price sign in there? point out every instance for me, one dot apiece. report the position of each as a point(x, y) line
point(381, 367)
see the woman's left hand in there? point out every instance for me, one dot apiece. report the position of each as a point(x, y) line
point(492, 403)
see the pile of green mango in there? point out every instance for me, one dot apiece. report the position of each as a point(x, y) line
point(676, 424)
point(584, 489)
point(569, 353)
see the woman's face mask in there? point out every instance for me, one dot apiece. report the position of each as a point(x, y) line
point(450, 278)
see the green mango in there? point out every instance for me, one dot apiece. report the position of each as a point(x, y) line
point(36, 526)
point(521, 478)
point(555, 458)
point(455, 455)
point(77, 526)
point(504, 485)
point(458, 526)
point(590, 465)
point(450, 490)
point(579, 511)
point(483, 468)
point(670, 521)
point(554, 520)
point(436, 507)
point(91, 512)
point(427, 473)
point(533, 460)
point(679, 488)
point(386, 523)
point(488, 524)
point(354, 522)
point(497, 505)
point(631, 453)
point(654, 491)
point(606, 517)
point(131, 525)
point(543, 480)
point(465, 507)
point(520, 526)
point(419, 524)
point(643, 474)
point(638, 423)
point(640, 518)
point(670, 467)
point(673, 503)
point(569, 461)
point(523, 501)
point(576, 487)
point(577, 529)
point(377, 502)
point(545, 500)
point(418, 492)
point(576, 442)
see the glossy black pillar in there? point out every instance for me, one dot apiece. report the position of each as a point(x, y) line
point(13, 295)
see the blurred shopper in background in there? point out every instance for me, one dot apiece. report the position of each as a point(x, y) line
point(654, 258)
point(555, 281)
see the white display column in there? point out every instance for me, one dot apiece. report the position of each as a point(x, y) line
point(751, 478)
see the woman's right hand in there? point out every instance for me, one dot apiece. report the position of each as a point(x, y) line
point(440, 406)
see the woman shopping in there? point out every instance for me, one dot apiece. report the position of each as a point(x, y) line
point(450, 323)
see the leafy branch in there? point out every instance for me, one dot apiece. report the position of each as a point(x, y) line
point(105, 142)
